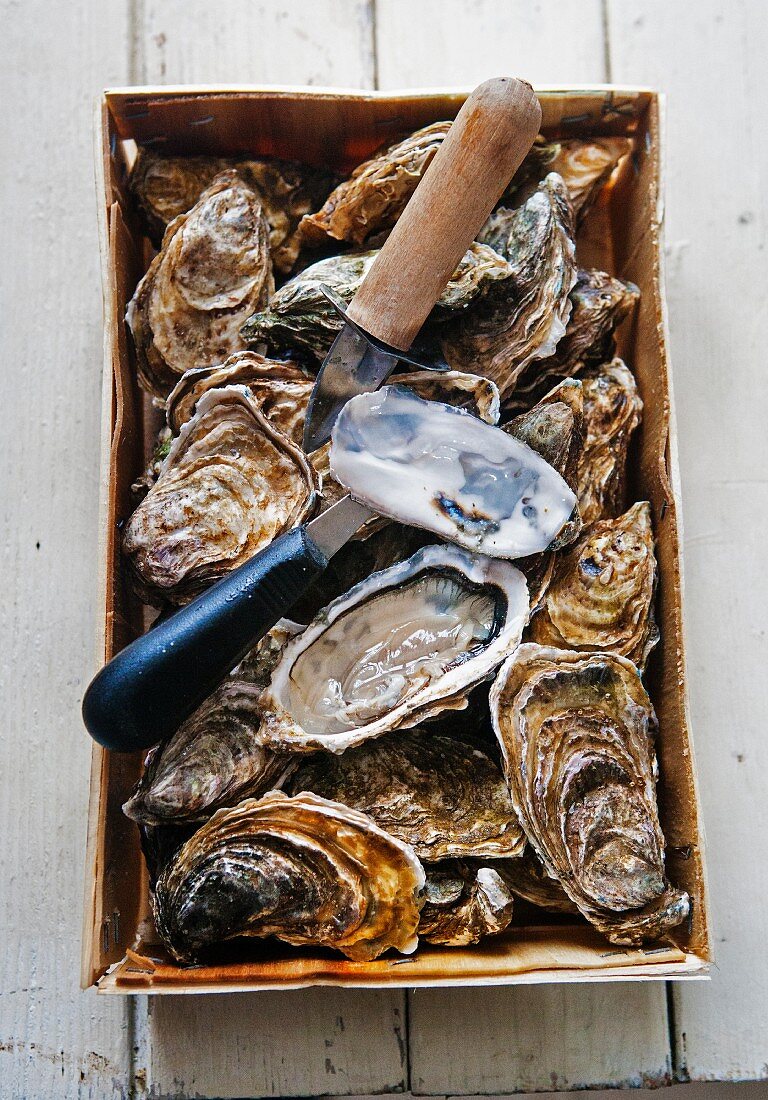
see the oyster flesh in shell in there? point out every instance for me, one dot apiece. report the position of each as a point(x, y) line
point(523, 318)
point(441, 796)
point(463, 903)
point(601, 595)
point(375, 195)
point(438, 467)
point(300, 316)
point(212, 272)
point(304, 869)
point(165, 187)
point(612, 411)
point(399, 647)
point(576, 732)
point(230, 484)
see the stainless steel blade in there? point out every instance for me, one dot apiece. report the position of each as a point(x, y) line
point(338, 524)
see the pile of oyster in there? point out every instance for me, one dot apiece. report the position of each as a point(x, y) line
point(440, 734)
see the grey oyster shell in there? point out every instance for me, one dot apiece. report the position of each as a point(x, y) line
point(612, 412)
point(463, 903)
point(304, 869)
point(230, 484)
point(441, 796)
point(212, 272)
point(399, 647)
point(576, 732)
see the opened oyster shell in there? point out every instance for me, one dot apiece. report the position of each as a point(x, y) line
point(522, 318)
point(463, 903)
point(437, 467)
point(401, 646)
point(601, 595)
point(576, 732)
point(230, 484)
point(300, 316)
point(303, 869)
point(612, 411)
point(375, 195)
point(212, 272)
point(165, 187)
point(441, 796)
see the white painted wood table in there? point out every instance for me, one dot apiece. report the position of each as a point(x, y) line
point(57, 1041)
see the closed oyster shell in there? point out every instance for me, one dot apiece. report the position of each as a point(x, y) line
point(399, 647)
point(523, 318)
point(375, 195)
point(304, 869)
point(601, 595)
point(300, 316)
point(165, 187)
point(230, 484)
point(527, 879)
point(441, 796)
point(463, 903)
point(576, 732)
point(212, 272)
point(586, 166)
point(612, 411)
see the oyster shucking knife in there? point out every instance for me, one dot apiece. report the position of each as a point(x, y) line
point(147, 690)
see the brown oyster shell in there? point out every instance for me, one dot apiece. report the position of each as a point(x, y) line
point(441, 796)
point(586, 166)
point(375, 195)
point(522, 318)
point(300, 316)
point(212, 272)
point(304, 869)
point(576, 732)
point(527, 879)
point(612, 411)
point(166, 186)
point(463, 903)
point(230, 484)
point(601, 595)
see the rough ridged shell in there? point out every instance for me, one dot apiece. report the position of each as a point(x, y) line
point(463, 903)
point(527, 879)
point(612, 411)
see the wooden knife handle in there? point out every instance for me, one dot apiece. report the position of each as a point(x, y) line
point(485, 146)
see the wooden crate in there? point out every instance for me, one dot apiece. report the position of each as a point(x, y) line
point(620, 235)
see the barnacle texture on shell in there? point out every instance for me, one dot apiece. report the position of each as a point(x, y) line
point(375, 195)
point(522, 318)
point(612, 411)
point(601, 595)
point(527, 879)
point(441, 796)
point(401, 646)
point(212, 272)
point(230, 484)
point(300, 316)
point(463, 903)
point(304, 869)
point(576, 731)
point(165, 187)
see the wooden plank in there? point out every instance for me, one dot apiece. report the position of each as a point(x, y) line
point(710, 59)
point(454, 42)
point(54, 1040)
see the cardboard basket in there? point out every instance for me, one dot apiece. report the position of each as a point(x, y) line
point(620, 235)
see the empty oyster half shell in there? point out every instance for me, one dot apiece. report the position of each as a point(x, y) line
point(402, 645)
point(441, 796)
point(304, 869)
point(435, 466)
point(612, 411)
point(463, 903)
point(576, 733)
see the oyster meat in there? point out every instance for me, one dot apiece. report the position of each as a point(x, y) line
point(300, 316)
point(304, 869)
point(165, 187)
point(612, 411)
point(441, 796)
point(464, 902)
point(399, 647)
point(230, 484)
point(438, 467)
point(576, 732)
point(601, 595)
point(375, 195)
point(212, 272)
point(522, 318)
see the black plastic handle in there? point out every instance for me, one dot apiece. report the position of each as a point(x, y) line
point(149, 688)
